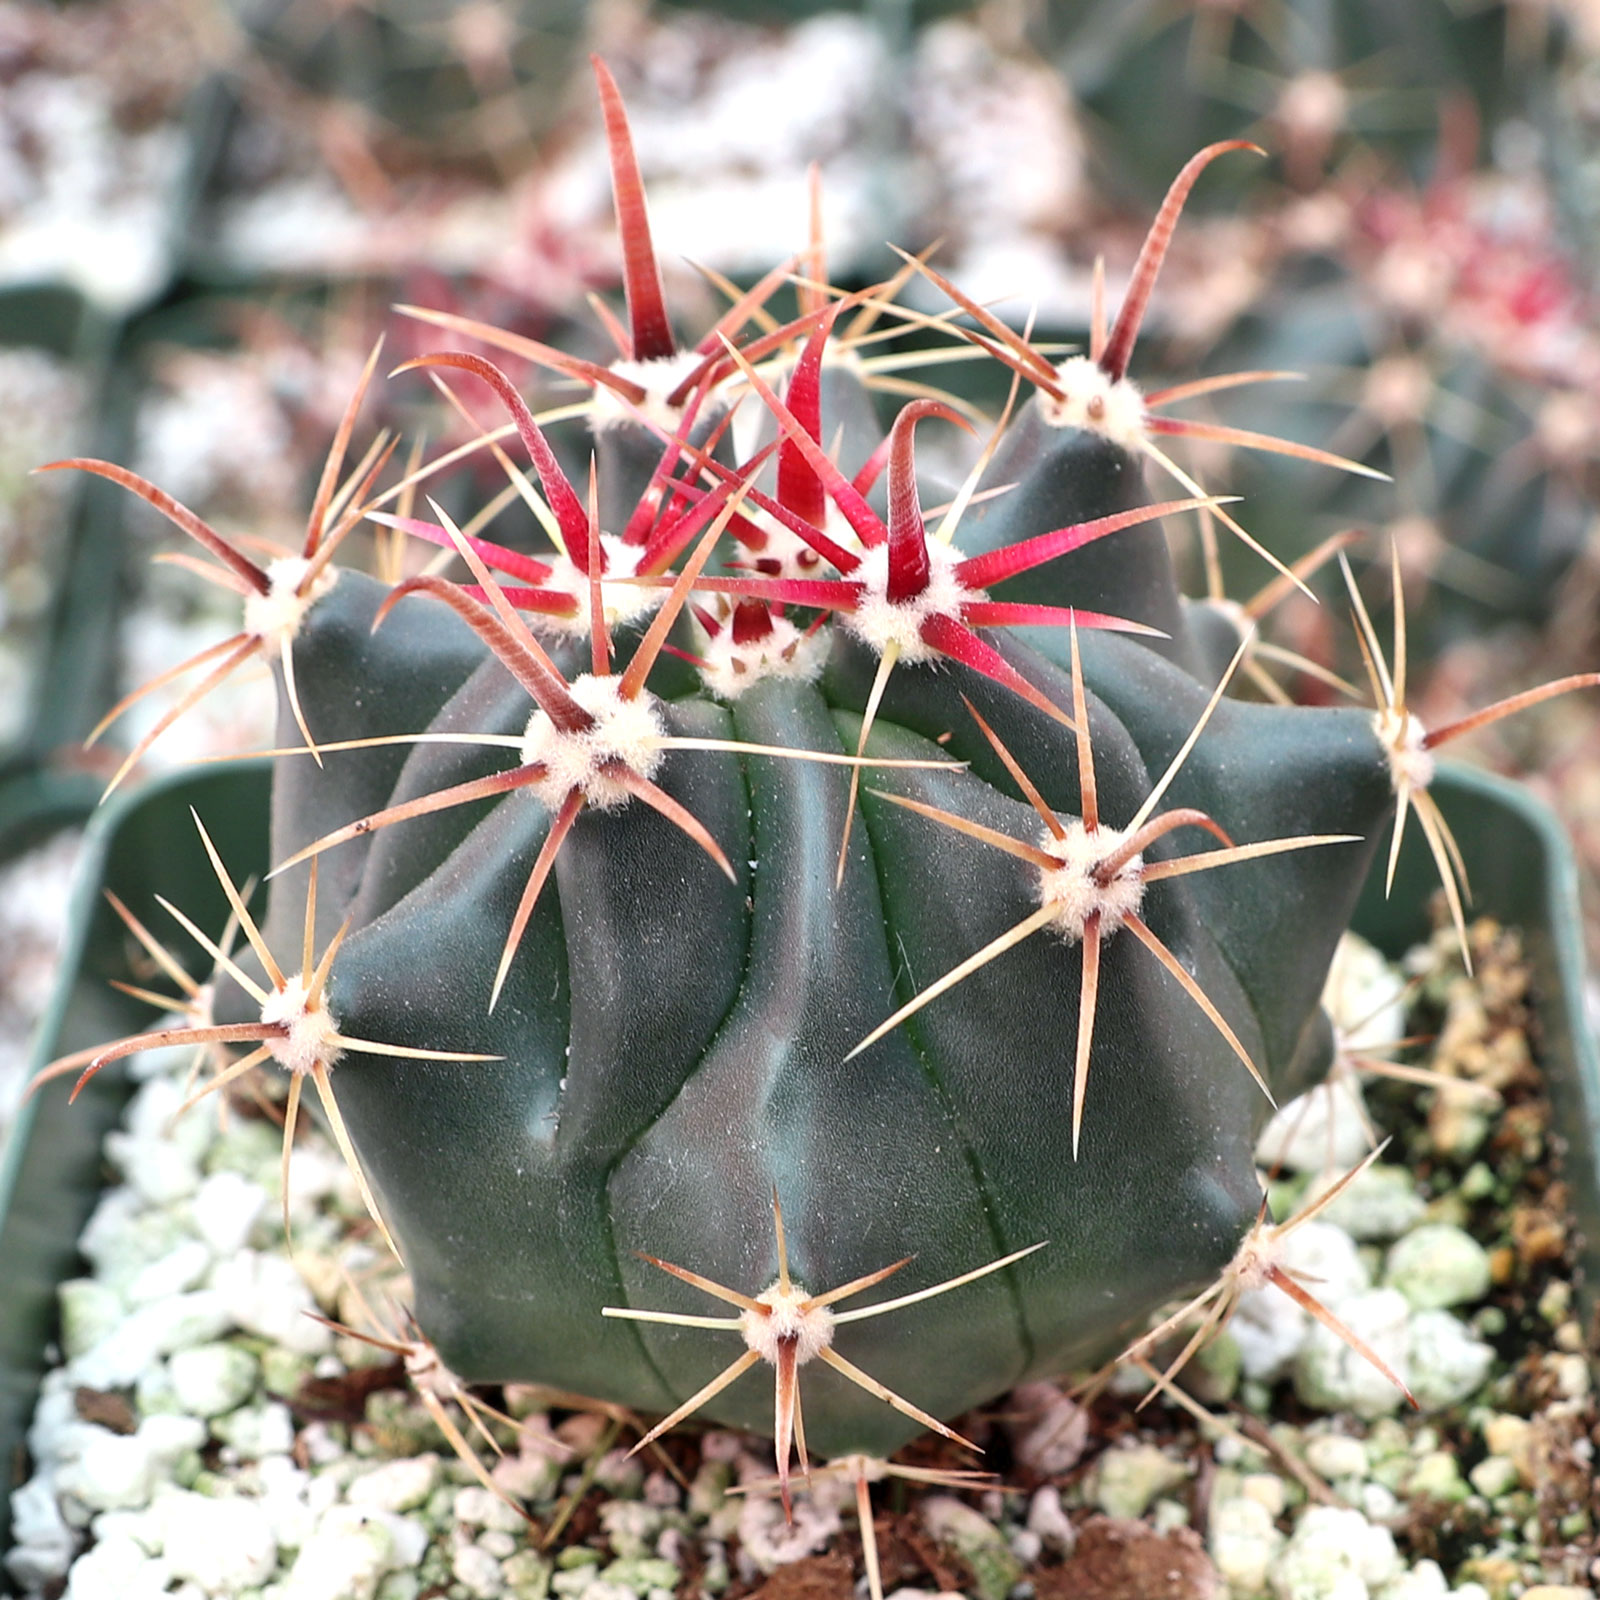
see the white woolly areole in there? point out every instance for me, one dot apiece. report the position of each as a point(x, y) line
point(1411, 763)
point(1259, 1252)
point(1070, 891)
point(794, 557)
point(658, 379)
point(202, 1006)
point(843, 356)
point(312, 1037)
point(276, 615)
point(1231, 612)
point(811, 1330)
point(625, 731)
point(620, 603)
point(1097, 403)
point(787, 652)
point(429, 1373)
point(879, 622)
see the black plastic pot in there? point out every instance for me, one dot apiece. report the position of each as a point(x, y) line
point(50, 1174)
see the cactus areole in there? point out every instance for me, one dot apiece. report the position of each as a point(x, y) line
point(674, 932)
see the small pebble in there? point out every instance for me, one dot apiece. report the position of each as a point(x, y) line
point(1269, 1327)
point(1425, 1581)
point(180, 1269)
point(1048, 1519)
point(1266, 1489)
point(226, 1207)
point(118, 1569)
point(1328, 1548)
point(116, 1471)
point(1125, 1481)
point(265, 1295)
point(476, 1507)
point(1336, 1455)
point(343, 1560)
point(1493, 1477)
point(1026, 1545)
point(1243, 1539)
point(90, 1311)
point(631, 1527)
point(401, 1485)
point(477, 1571)
point(643, 1575)
point(1437, 1477)
point(1381, 1203)
point(225, 1543)
point(1573, 1379)
point(1377, 1503)
point(256, 1431)
point(1048, 1428)
point(1331, 1376)
point(977, 1541)
point(151, 1331)
point(1446, 1361)
point(1437, 1266)
point(1323, 1130)
point(209, 1379)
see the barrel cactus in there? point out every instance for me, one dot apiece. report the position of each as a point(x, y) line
point(773, 888)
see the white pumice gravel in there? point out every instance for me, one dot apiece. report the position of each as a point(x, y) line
point(1336, 1455)
point(1382, 1203)
point(1270, 1328)
point(1124, 1482)
point(1438, 1265)
point(173, 1458)
point(89, 198)
point(1330, 1376)
point(1448, 1362)
point(1335, 1554)
point(1324, 1130)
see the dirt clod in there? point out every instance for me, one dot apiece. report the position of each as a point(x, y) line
point(1117, 1559)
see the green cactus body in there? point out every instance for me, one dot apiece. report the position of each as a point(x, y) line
point(674, 1045)
point(710, 1004)
point(354, 684)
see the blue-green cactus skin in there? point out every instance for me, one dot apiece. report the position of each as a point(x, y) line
point(674, 1046)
